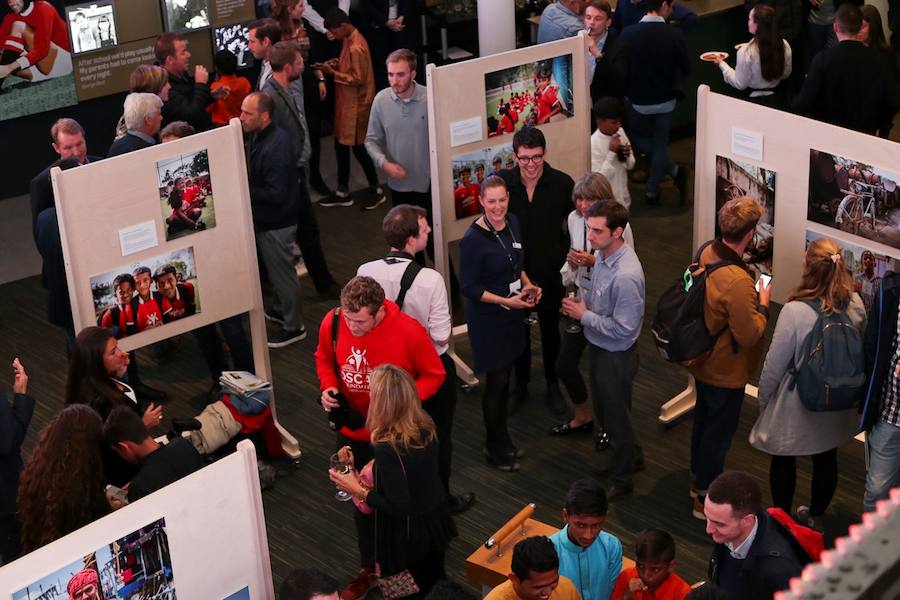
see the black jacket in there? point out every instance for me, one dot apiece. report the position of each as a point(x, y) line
point(46, 236)
point(169, 463)
point(878, 345)
point(14, 421)
point(41, 190)
point(772, 561)
point(127, 143)
point(850, 85)
point(658, 62)
point(611, 72)
point(272, 171)
point(286, 114)
point(187, 102)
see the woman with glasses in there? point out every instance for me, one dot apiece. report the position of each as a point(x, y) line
point(497, 293)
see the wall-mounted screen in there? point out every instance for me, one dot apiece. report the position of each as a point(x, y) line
point(234, 38)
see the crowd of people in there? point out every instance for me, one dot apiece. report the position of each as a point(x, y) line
point(545, 250)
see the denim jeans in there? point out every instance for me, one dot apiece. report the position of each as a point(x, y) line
point(716, 416)
point(274, 247)
point(650, 134)
point(884, 462)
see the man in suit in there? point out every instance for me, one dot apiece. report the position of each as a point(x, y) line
point(261, 38)
point(286, 90)
point(389, 25)
point(658, 63)
point(850, 85)
point(143, 118)
point(607, 62)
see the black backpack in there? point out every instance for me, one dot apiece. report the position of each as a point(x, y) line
point(679, 327)
point(832, 375)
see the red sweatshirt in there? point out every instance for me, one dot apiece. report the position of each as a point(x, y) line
point(398, 340)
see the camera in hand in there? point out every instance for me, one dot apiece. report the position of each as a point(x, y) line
point(344, 415)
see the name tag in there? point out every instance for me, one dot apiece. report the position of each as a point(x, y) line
point(515, 287)
point(517, 245)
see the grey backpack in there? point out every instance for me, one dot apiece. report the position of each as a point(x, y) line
point(832, 375)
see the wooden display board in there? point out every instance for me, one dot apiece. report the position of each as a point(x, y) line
point(98, 203)
point(786, 141)
point(218, 507)
point(456, 93)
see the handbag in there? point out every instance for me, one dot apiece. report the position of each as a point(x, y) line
point(402, 584)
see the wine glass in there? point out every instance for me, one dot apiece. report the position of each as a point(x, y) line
point(572, 292)
point(532, 317)
point(337, 464)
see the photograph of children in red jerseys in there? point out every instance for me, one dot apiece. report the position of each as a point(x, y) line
point(531, 94)
point(185, 194)
point(35, 58)
point(147, 294)
point(137, 565)
point(469, 170)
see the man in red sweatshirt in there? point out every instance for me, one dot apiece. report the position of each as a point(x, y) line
point(371, 331)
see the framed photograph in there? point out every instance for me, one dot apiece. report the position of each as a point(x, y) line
point(735, 179)
point(235, 39)
point(148, 293)
point(852, 196)
point(470, 169)
point(92, 26)
point(185, 15)
point(137, 565)
point(866, 267)
point(530, 94)
point(185, 194)
point(39, 31)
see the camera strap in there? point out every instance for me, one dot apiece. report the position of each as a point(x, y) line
point(409, 275)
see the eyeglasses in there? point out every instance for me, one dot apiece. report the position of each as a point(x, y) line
point(536, 159)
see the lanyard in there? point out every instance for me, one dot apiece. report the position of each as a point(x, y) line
point(509, 255)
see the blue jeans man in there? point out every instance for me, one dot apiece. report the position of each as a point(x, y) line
point(883, 444)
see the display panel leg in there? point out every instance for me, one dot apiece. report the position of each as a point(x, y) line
point(463, 371)
point(684, 402)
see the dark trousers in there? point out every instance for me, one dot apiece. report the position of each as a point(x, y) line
point(650, 135)
point(571, 349)
point(423, 200)
point(9, 539)
point(308, 239)
point(238, 345)
point(365, 524)
point(427, 571)
point(716, 415)
point(314, 124)
point(362, 157)
point(441, 408)
point(612, 374)
point(494, 408)
point(548, 320)
point(783, 480)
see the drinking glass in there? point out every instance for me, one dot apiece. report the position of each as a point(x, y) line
point(572, 292)
point(338, 465)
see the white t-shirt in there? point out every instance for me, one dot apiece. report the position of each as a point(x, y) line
point(607, 163)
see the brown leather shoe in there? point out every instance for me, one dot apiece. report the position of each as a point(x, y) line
point(359, 587)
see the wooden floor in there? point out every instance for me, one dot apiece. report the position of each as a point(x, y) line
point(307, 527)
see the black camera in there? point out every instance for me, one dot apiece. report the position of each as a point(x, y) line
point(344, 415)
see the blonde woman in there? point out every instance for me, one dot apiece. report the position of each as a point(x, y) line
point(151, 79)
point(413, 523)
point(785, 428)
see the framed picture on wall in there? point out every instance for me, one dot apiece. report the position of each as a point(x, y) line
point(854, 197)
point(185, 15)
point(92, 26)
point(531, 94)
point(470, 169)
point(136, 565)
point(735, 179)
point(235, 39)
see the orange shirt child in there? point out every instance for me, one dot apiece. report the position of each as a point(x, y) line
point(673, 588)
point(229, 107)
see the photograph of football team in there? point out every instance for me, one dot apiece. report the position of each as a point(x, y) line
point(183, 15)
point(854, 197)
point(735, 179)
point(185, 194)
point(93, 26)
point(470, 169)
point(531, 94)
point(866, 267)
point(147, 294)
point(138, 565)
point(35, 58)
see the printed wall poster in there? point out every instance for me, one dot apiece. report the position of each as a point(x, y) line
point(93, 26)
point(854, 197)
point(235, 39)
point(185, 194)
point(183, 15)
point(149, 293)
point(530, 94)
point(866, 267)
point(735, 179)
point(137, 565)
point(470, 169)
